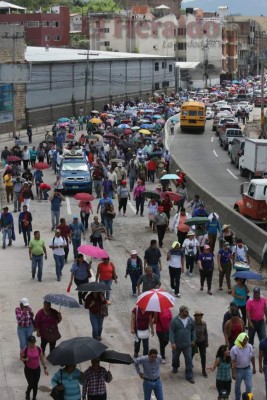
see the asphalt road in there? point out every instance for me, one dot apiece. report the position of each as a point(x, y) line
point(130, 233)
point(201, 156)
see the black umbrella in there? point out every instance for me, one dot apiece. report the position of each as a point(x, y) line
point(75, 351)
point(151, 195)
point(92, 287)
point(115, 357)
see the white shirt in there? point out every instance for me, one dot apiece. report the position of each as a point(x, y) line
point(187, 243)
point(240, 252)
point(58, 241)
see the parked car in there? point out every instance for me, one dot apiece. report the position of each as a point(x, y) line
point(235, 150)
point(209, 113)
point(228, 136)
point(222, 122)
point(217, 119)
point(245, 105)
point(257, 101)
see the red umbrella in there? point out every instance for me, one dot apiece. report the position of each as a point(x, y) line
point(155, 300)
point(110, 136)
point(93, 251)
point(127, 131)
point(13, 158)
point(173, 196)
point(70, 136)
point(41, 165)
point(83, 197)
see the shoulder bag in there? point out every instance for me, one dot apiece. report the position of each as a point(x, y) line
point(144, 334)
point(57, 394)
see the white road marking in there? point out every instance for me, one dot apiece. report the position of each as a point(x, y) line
point(212, 139)
point(68, 204)
point(132, 207)
point(231, 173)
point(216, 155)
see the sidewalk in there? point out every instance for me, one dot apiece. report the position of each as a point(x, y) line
point(6, 138)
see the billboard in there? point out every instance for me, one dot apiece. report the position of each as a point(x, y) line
point(6, 103)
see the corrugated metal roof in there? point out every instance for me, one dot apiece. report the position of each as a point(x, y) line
point(186, 64)
point(55, 54)
point(4, 4)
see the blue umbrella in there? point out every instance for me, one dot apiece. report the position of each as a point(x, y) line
point(149, 110)
point(170, 176)
point(255, 276)
point(175, 119)
point(157, 117)
point(62, 120)
point(124, 126)
point(146, 126)
point(61, 300)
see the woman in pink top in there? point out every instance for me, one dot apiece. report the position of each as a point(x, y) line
point(139, 197)
point(86, 209)
point(163, 321)
point(31, 355)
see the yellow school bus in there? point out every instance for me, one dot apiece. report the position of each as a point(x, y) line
point(193, 116)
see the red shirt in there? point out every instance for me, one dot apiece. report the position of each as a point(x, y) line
point(151, 165)
point(256, 308)
point(64, 231)
point(142, 319)
point(105, 271)
point(44, 186)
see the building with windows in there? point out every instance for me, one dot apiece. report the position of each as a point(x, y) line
point(42, 29)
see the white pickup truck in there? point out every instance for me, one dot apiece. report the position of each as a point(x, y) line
point(227, 137)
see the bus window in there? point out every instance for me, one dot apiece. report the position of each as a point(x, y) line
point(200, 113)
point(192, 113)
point(184, 113)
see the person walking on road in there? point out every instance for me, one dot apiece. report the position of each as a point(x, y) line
point(242, 356)
point(102, 204)
point(123, 196)
point(25, 225)
point(134, 268)
point(256, 312)
point(240, 252)
point(7, 227)
point(232, 328)
point(151, 374)
point(76, 232)
point(139, 197)
point(263, 360)
point(56, 200)
point(149, 280)
point(97, 229)
point(202, 340)
point(213, 226)
point(163, 322)
point(80, 273)
point(32, 356)
point(46, 324)
point(17, 187)
point(179, 226)
point(183, 338)
point(161, 222)
point(24, 317)
point(152, 258)
point(65, 233)
point(240, 293)
point(9, 186)
point(191, 250)
point(206, 268)
point(94, 302)
point(175, 258)
point(95, 373)
point(58, 244)
point(86, 210)
point(224, 260)
point(141, 321)
point(106, 273)
point(37, 251)
point(223, 375)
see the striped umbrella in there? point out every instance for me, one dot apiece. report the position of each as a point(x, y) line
point(155, 300)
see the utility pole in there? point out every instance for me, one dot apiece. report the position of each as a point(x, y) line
point(262, 98)
point(87, 68)
point(206, 62)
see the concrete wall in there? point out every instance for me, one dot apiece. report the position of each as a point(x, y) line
point(252, 235)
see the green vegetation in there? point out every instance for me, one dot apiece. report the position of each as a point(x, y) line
point(74, 5)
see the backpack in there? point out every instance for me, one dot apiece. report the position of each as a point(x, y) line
point(26, 352)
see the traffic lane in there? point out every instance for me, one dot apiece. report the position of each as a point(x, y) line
point(194, 152)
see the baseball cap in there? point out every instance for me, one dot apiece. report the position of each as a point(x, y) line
point(191, 233)
point(24, 301)
point(183, 308)
point(175, 244)
point(233, 304)
point(256, 290)
point(31, 339)
point(133, 252)
point(75, 216)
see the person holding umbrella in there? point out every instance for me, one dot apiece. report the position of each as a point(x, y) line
point(68, 379)
point(32, 355)
point(86, 208)
point(95, 373)
point(94, 302)
point(134, 268)
point(163, 322)
point(80, 273)
point(141, 321)
point(106, 273)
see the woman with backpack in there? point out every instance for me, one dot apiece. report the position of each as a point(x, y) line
point(134, 268)
point(32, 355)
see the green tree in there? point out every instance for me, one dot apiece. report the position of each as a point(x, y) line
point(103, 5)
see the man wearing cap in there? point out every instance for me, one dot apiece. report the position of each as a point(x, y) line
point(242, 355)
point(149, 280)
point(152, 258)
point(256, 308)
point(56, 200)
point(24, 316)
point(57, 244)
point(25, 225)
point(227, 315)
point(37, 251)
point(76, 232)
point(175, 257)
point(134, 268)
point(102, 204)
point(161, 222)
point(206, 268)
point(120, 173)
point(183, 337)
point(240, 252)
point(200, 211)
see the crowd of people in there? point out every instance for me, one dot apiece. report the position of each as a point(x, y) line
point(135, 174)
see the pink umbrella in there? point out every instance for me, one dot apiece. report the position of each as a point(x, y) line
point(111, 121)
point(93, 251)
point(155, 300)
point(172, 195)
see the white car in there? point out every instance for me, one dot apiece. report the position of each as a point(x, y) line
point(245, 105)
point(209, 113)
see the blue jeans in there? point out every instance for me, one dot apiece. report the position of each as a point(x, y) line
point(150, 387)
point(243, 375)
point(7, 233)
point(55, 218)
point(187, 352)
point(109, 284)
point(76, 243)
point(265, 377)
point(108, 222)
point(139, 202)
point(97, 324)
point(60, 261)
point(132, 182)
point(37, 262)
point(98, 187)
point(259, 328)
point(23, 334)
point(155, 269)
point(134, 279)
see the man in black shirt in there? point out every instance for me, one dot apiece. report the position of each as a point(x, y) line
point(152, 258)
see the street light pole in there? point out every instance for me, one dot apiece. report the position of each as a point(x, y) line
point(87, 69)
point(262, 98)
